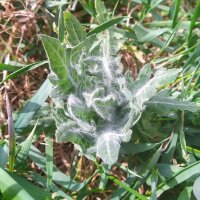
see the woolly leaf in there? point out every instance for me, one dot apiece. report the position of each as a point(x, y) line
point(75, 33)
point(71, 132)
point(103, 105)
point(58, 57)
point(164, 103)
point(143, 92)
point(108, 148)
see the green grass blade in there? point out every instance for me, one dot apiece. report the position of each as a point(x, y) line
point(61, 25)
point(84, 192)
point(154, 181)
point(104, 177)
point(147, 167)
point(194, 21)
point(88, 8)
point(3, 153)
point(134, 181)
point(101, 11)
point(9, 68)
point(106, 25)
point(166, 44)
point(22, 156)
point(103, 181)
point(194, 73)
point(11, 134)
point(193, 57)
point(58, 192)
point(153, 34)
point(58, 177)
point(23, 70)
point(32, 106)
point(186, 193)
point(168, 155)
point(179, 177)
point(185, 25)
point(168, 170)
point(127, 188)
point(15, 187)
point(148, 7)
point(141, 32)
point(121, 192)
point(115, 8)
point(175, 12)
point(127, 170)
point(49, 161)
point(131, 148)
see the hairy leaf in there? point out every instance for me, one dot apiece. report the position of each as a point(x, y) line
point(100, 104)
point(58, 59)
point(75, 33)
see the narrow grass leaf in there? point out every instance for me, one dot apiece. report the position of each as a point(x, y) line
point(175, 13)
point(61, 25)
point(25, 147)
point(179, 177)
point(101, 11)
point(24, 69)
point(41, 180)
point(182, 142)
point(3, 153)
point(154, 181)
point(148, 167)
point(106, 25)
point(104, 177)
point(168, 170)
point(140, 32)
point(194, 21)
point(87, 8)
point(185, 25)
point(131, 148)
point(134, 181)
point(127, 170)
point(149, 6)
point(15, 187)
point(32, 106)
point(9, 68)
point(119, 193)
point(114, 10)
point(193, 151)
point(49, 161)
point(166, 44)
point(153, 34)
point(58, 177)
point(103, 181)
point(84, 192)
point(168, 155)
point(193, 57)
point(186, 194)
point(154, 3)
point(127, 188)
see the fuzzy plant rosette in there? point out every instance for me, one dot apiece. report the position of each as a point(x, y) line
point(96, 104)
